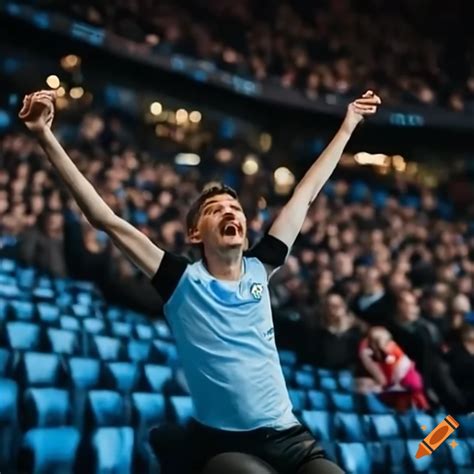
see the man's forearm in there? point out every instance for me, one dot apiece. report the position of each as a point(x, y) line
point(321, 170)
point(92, 205)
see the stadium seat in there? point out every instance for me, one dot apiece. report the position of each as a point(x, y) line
point(84, 373)
point(305, 379)
point(288, 357)
point(324, 372)
point(466, 425)
point(39, 369)
point(288, 374)
point(25, 277)
point(23, 336)
point(70, 323)
point(298, 399)
point(113, 313)
point(3, 309)
point(354, 458)
point(112, 451)
point(162, 330)
point(43, 294)
point(48, 313)
point(346, 380)
point(22, 310)
point(49, 450)
point(182, 409)
point(94, 326)
point(46, 407)
point(121, 329)
point(413, 423)
point(122, 376)
point(158, 377)
point(349, 427)
point(81, 310)
point(328, 383)
point(372, 404)
point(384, 427)
point(7, 265)
point(417, 465)
point(5, 362)
point(319, 423)
point(148, 410)
point(344, 402)
point(8, 423)
point(378, 456)
point(140, 351)
point(107, 348)
point(396, 455)
point(144, 331)
point(63, 342)
point(166, 351)
point(317, 400)
point(105, 408)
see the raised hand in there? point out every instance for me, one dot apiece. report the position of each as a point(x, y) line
point(364, 106)
point(38, 110)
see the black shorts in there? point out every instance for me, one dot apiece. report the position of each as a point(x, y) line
point(285, 450)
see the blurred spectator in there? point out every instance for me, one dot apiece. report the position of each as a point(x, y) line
point(392, 373)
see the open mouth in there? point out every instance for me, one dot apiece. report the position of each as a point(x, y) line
point(231, 229)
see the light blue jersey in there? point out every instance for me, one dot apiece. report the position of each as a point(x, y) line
point(225, 339)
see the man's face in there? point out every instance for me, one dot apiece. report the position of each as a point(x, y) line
point(221, 223)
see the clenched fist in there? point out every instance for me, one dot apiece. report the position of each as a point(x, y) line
point(38, 110)
point(360, 108)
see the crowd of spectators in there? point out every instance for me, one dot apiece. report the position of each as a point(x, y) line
point(331, 47)
point(359, 262)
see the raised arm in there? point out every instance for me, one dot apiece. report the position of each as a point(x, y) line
point(288, 223)
point(37, 114)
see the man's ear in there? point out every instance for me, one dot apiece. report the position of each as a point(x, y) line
point(194, 237)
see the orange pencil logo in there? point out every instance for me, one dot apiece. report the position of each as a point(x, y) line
point(437, 437)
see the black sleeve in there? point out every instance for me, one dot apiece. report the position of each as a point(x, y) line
point(169, 273)
point(269, 250)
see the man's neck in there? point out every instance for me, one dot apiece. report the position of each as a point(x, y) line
point(226, 266)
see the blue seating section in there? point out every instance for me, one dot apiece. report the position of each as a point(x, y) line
point(82, 383)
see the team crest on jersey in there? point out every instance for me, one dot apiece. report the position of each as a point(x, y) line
point(257, 291)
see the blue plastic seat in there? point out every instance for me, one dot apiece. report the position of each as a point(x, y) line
point(378, 456)
point(372, 404)
point(8, 423)
point(354, 458)
point(298, 399)
point(288, 357)
point(105, 408)
point(417, 465)
point(113, 450)
point(39, 369)
point(182, 409)
point(22, 310)
point(44, 294)
point(328, 383)
point(413, 423)
point(158, 376)
point(466, 425)
point(166, 351)
point(23, 336)
point(113, 313)
point(7, 265)
point(139, 351)
point(25, 277)
point(5, 362)
point(121, 329)
point(63, 342)
point(122, 376)
point(46, 407)
point(107, 348)
point(319, 423)
point(84, 373)
point(317, 400)
point(288, 374)
point(145, 331)
point(305, 379)
point(70, 323)
point(49, 450)
point(346, 380)
point(82, 311)
point(162, 330)
point(148, 410)
point(349, 427)
point(384, 427)
point(344, 402)
point(396, 455)
point(94, 326)
point(48, 313)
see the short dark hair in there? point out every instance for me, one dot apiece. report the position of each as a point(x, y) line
point(208, 192)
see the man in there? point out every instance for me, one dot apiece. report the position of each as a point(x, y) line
point(219, 308)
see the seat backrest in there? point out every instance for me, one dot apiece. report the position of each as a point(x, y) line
point(63, 342)
point(113, 450)
point(8, 402)
point(5, 362)
point(298, 399)
point(349, 427)
point(145, 331)
point(319, 423)
point(107, 348)
point(70, 323)
point(94, 326)
point(122, 376)
point(167, 351)
point(305, 379)
point(384, 426)
point(148, 410)
point(22, 310)
point(121, 329)
point(139, 351)
point(105, 408)
point(354, 458)
point(48, 313)
point(23, 336)
point(317, 400)
point(84, 373)
point(39, 369)
point(49, 450)
point(45, 407)
point(287, 357)
point(182, 409)
point(417, 465)
point(162, 330)
point(344, 402)
point(158, 376)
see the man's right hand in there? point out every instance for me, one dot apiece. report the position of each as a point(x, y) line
point(38, 110)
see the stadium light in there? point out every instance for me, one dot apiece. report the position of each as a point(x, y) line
point(156, 108)
point(265, 142)
point(70, 61)
point(187, 159)
point(284, 177)
point(53, 81)
point(250, 165)
point(181, 116)
point(195, 116)
point(61, 92)
point(76, 92)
